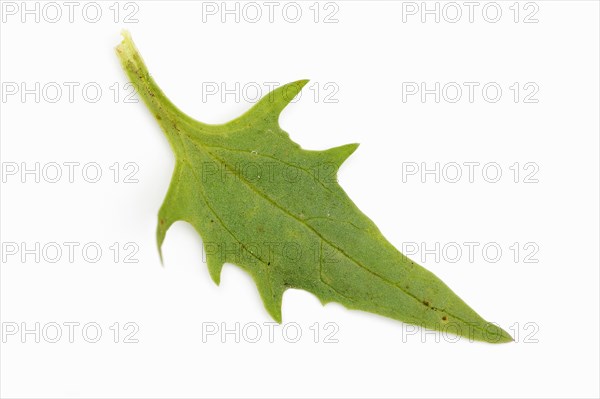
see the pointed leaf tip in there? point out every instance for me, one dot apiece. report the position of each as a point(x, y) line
point(160, 237)
point(285, 94)
point(504, 337)
point(215, 267)
point(338, 155)
point(271, 294)
point(273, 103)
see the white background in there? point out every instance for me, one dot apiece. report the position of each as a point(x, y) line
point(367, 54)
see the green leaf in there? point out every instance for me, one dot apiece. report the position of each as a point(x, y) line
point(263, 203)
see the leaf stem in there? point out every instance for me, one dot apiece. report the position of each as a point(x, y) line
point(165, 112)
